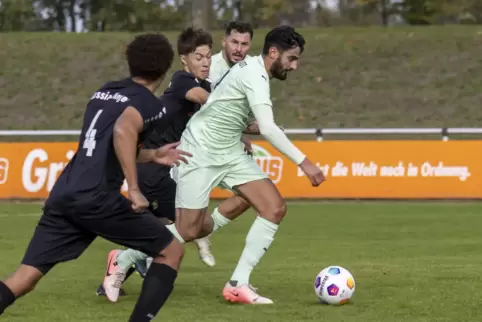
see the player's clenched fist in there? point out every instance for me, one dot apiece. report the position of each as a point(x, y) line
point(313, 173)
point(169, 155)
point(139, 202)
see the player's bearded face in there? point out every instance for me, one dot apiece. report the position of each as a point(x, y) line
point(277, 70)
point(286, 62)
point(236, 46)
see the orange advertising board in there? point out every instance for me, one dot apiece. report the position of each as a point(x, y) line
point(379, 169)
point(354, 169)
point(31, 169)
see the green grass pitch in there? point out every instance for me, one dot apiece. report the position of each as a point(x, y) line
point(412, 262)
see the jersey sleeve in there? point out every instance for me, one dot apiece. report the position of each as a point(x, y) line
point(274, 135)
point(255, 84)
point(182, 83)
point(144, 105)
point(151, 109)
point(206, 85)
point(139, 105)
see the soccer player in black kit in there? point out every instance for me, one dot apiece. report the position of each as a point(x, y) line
point(187, 91)
point(86, 201)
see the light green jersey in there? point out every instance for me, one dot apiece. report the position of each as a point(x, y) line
point(218, 68)
point(217, 127)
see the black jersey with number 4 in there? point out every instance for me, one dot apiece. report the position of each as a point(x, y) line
point(91, 181)
point(180, 110)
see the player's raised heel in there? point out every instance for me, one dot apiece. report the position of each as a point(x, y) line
point(204, 248)
point(243, 294)
point(114, 277)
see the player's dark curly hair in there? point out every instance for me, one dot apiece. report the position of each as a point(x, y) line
point(149, 56)
point(239, 26)
point(191, 38)
point(283, 38)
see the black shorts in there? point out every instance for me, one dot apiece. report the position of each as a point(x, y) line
point(162, 197)
point(63, 236)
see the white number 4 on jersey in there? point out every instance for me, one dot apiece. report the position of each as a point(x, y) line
point(89, 142)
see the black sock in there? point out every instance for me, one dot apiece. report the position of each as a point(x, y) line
point(156, 288)
point(129, 273)
point(6, 297)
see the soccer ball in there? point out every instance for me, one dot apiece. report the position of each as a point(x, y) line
point(334, 285)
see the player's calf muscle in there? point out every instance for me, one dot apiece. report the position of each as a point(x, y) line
point(191, 223)
point(23, 280)
point(207, 226)
point(232, 207)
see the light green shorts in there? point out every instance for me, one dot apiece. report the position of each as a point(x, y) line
point(205, 171)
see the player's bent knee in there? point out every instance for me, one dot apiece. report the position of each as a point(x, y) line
point(174, 249)
point(275, 213)
point(172, 255)
point(281, 210)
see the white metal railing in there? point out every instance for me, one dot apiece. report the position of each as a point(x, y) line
point(443, 132)
point(38, 132)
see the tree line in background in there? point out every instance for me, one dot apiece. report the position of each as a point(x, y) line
point(141, 15)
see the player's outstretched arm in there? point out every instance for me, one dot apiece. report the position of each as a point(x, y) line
point(145, 155)
point(276, 136)
point(169, 155)
point(256, 87)
point(166, 155)
point(126, 133)
point(197, 95)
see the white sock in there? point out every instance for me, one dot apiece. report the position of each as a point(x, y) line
point(258, 240)
point(219, 220)
point(173, 230)
point(128, 257)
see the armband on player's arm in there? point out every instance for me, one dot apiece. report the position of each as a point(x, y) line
point(274, 135)
point(126, 133)
point(197, 95)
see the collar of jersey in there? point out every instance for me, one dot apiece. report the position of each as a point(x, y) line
point(220, 60)
point(261, 60)
point(131, 80)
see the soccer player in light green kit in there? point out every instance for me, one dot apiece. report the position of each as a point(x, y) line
point(235, 46)
point(213, 136)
